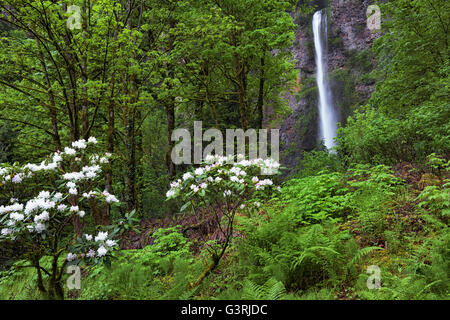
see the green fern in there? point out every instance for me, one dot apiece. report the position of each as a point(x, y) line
point(271, 290)
point(362, 253)
point(313, 254)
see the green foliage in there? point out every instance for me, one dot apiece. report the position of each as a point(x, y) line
point(375, 138)
point(302, 258)
point(407, 117)
point(412, 56)
point(426, 276)
point(169, 245)
point(315, 161)
point(159, 271)
point(316, 198)
point(436, 199)
point(19, 283)
point(7, 143)
point(334, 195)
point(271, 290)
point(133, 76)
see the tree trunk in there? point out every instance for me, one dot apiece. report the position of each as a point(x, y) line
point(110, 149)
point(260, 104)
point(170, 112)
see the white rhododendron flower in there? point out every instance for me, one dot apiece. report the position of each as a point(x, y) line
point(69, 151)
point(6, 231)
point(110, 243)
point(57, 157)
point(219, 176)
point(109, 198)
point(73, 176)
point(71, 256)
point(44, 216)
point(39, 227)
point(17, 216)
point(210, 159)
point(71, 185)
point(44, 195)
point(92, 140)
point(13, 207)
point(199, 171)
point(187, 176)
point(17, 179)
point(170, 193)
point(101, 251)
point(90, 194)
point(80, 144)
point(234, 179)
point(101, 236)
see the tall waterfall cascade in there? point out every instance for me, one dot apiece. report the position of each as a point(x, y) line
point(327, 112)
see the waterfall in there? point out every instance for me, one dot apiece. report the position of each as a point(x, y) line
point(327, 114)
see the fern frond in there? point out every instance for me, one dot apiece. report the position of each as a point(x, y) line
point(312, 255)
point(362, 253)
point(271, 290)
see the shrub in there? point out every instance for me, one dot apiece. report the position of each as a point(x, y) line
point(223, 187)
point(46, 209)
point(375, 138)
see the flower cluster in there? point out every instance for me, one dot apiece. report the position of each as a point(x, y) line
point(91, 247)
point(220, 176)
point(37, 214)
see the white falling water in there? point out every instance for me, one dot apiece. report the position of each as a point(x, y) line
point(327, 114)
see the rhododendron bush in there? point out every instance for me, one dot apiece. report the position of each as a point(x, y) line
point(222, 187)
point(45, 208)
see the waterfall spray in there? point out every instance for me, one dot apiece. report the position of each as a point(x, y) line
point(327, 114)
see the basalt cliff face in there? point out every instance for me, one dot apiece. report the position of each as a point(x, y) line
point(349, 60)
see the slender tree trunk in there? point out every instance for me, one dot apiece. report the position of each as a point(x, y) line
point(170, 112)
point(260, 104)
point(110, 149)
point(130, 142)
point(51, 97)
point(84, 80)
point(240, 69)
point(55, 290)
point(40, 282)
point(139, 159)
point(131, 162)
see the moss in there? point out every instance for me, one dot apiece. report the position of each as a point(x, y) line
point(361, 60)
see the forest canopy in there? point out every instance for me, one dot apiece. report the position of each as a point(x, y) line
point(92, 93)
